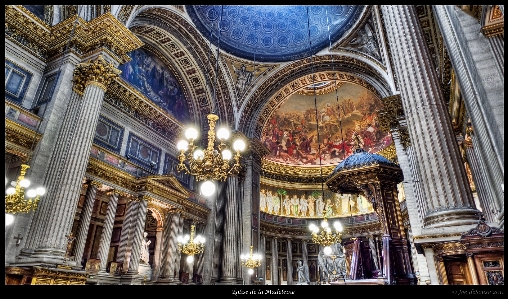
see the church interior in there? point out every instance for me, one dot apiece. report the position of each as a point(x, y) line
point(254, 145)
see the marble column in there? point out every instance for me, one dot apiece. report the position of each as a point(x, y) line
point(305, 258)
point(472, 269)
point(220, 204)
point(229, 242)
point(131, 239)
point(275, 262)
point(262, 251)
point(441, 269)
point(449, 204)
point(157, 253)
point(387, 271)
point(482, 87)
point(84, 221)
point(170, 248)
point(178, 255)
point(66, 170)
point(289, 262)
point(107, 230)
point(200, 258)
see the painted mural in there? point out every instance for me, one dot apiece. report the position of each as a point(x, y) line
point(309, 204)
point(291, 132)
point(154, 79)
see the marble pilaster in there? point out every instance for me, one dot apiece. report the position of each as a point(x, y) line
point(84, 221)
point(275, 262)
point(107, 230)
point(289, 262)
point(229, 242)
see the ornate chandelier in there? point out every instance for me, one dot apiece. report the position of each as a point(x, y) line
point(325, 236)
point(215, 161)
point(251, 260)
point(191, 245)
point(20, 200)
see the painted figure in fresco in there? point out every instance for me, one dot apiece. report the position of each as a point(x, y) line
point(276, 204)
point(287, 205)
point(320, 205)
point(311, 203)
point(269, 202)
point(295, 203)
point(328, 208)
point(303, 206)
point(262, 200)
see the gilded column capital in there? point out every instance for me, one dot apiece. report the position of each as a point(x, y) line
point(97, 71)
point(95, 183)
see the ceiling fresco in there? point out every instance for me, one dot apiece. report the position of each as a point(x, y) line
point(157, 82)
point(291, 131)
point(274, 33)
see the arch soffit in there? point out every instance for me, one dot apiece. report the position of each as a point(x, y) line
point(166, 28)
point(270, 93)
point(158, 215)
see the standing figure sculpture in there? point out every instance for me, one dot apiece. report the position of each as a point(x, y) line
point(145, 253)
point(300, 269)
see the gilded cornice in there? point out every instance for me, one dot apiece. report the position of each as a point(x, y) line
point(46, 276)
point(494, 21)
point(21, 135)
point(111, 174)
point(289, 185)
point(449, 248)
point(97, 71)
point(363, 229)
point(293, 173)
point(350, 180)
point(104, 31)
point(279, 230)
point(164, 186)
point(326, 88)
point(436, 237)
point(125, 97)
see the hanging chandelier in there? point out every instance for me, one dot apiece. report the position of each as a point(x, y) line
point(324, 236)
point(251, 261)
point(190, 244)
point(214, 163)
point(20, 200)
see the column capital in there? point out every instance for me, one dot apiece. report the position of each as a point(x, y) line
point(96, 71)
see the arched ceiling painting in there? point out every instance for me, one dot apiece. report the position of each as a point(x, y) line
point(274, 33)
point(156, 81)
point(291, 132)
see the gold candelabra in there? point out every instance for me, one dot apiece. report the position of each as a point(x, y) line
point(20, 200)
point(251, 260)
point(214, 162)
point(190, 244)
point(325, 236)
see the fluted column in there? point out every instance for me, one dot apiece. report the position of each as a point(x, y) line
point(289, 262)
point(488, 204)
point(84, 221)
point(67, 168)
point(262, 251)
point(441, 269)
point(229, 242)
point(131, 239)
point(482, 87)
point(472, 268)
point(166, 233)
point(275, 263)
point(305, 258)
point(170, 246)
point(200, 258)
point(220, 204)
point(449, 202)
point(107, 230)
point(178, 255)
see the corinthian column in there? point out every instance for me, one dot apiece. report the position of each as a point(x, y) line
point(448, 202)
point(107, 230)
point(66, 170)
point(289, 262)
point(230, 243)
point(275, 262)
point(84, 221)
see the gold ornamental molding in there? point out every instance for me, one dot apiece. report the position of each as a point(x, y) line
point(294, 171)
point(127, 98)
point(104, 31)
point(45, 276)
point(494, 21)
point(166, 186)
point(20, 138)
point(389, 153)
point(96, 71)
point(449, 248)
point(110, 174)
point(327, 87)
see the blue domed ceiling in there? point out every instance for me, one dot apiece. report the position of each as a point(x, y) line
point(274, 33)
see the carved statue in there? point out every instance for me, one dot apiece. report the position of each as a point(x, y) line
point(145, 253)
point(301, 272)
